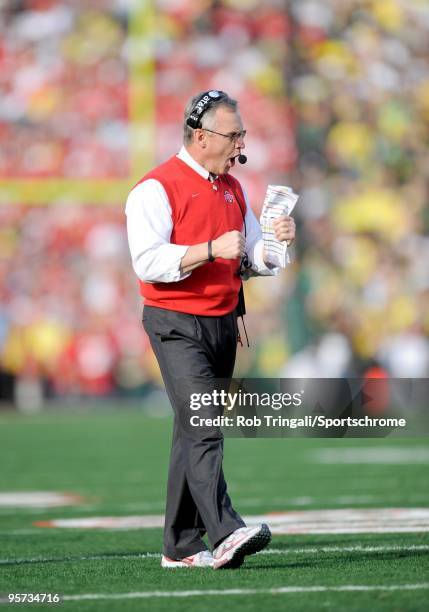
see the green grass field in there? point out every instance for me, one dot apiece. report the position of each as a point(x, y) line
point(117, 462)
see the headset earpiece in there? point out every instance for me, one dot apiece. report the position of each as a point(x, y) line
point(202, 104)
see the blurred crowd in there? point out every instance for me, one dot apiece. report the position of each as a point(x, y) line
point(335, 98)
point(63, 89)
point(359, 83)
point(69, 314)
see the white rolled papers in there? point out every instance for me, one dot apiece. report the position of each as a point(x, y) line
point(279, 200)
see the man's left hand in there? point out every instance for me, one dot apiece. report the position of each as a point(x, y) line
point(284, 229)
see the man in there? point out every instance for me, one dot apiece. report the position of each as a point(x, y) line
point(189, 227)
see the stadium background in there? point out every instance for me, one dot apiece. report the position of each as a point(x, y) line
point(335, 97)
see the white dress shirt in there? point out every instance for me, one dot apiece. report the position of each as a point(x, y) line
point(149, 225)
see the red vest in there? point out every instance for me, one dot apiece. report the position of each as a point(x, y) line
point(199, 214)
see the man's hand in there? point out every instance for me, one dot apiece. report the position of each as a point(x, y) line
point(284, 229)
point(229, 246)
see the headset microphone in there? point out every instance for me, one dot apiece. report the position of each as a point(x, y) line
point(242, 158)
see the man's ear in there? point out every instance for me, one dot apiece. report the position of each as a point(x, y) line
point(200, 138)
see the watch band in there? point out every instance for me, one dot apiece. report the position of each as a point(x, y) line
point(210, 253)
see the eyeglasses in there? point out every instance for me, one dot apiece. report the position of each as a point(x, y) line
point(233, 136)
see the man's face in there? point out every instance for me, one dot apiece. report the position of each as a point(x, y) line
point(221, 151)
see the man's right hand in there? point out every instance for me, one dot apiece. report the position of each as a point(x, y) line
point(230, 245)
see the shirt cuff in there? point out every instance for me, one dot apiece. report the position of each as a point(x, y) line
point(259, 267)
point(146, 266)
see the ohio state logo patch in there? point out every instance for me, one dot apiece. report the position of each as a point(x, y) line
point(228, 196)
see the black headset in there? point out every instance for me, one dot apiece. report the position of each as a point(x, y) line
point(206, 101)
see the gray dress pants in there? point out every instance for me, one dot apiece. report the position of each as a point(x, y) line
point(194, 352)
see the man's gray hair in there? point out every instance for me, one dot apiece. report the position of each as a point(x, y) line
point(208, 119)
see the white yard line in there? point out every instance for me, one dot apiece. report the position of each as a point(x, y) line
point(273, 591)
point(269, 551)
point(381, 456)
point(334, 520)
point(106, 557)
point(328, 549)
point(245, 503)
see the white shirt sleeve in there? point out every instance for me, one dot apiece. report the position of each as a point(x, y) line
point(149, 227)
point(255, 246)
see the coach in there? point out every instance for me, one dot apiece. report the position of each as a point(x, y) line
point(190, 228)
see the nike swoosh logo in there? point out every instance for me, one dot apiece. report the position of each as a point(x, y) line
point(194, 195)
